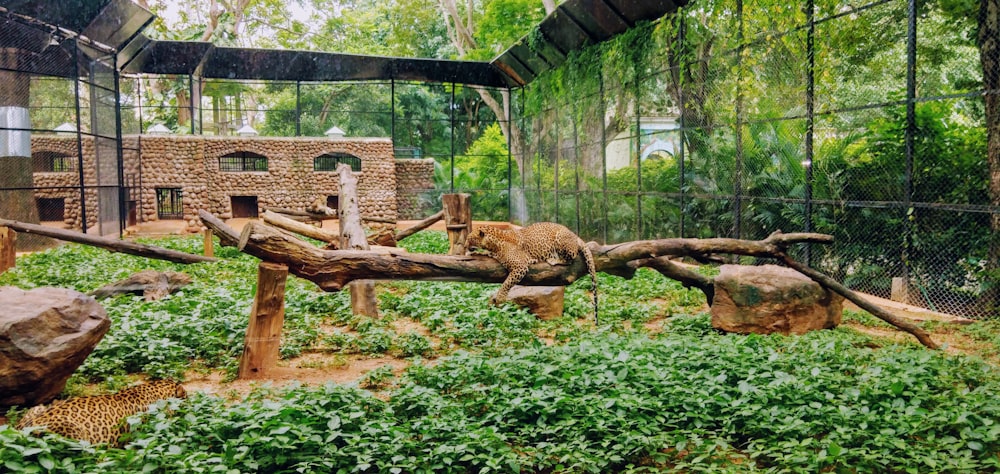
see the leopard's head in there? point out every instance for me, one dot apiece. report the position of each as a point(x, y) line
point(475, 240)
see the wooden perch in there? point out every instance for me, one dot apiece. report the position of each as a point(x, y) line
point(113, 245)
point(419, 226)
point(332, 270)
point(307, 230)
point(857, 299)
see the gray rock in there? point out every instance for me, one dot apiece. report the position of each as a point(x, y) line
point(546, 302)
point(772, 299)
point(45, 334)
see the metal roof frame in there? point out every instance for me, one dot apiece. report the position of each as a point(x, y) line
point(115, 27)
point(574, 25)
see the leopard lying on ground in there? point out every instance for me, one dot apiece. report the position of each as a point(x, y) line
point(100, 419)
point(517, 249)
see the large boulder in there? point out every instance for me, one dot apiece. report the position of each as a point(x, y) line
point(772, 299)
point(546, 302)
point(45, 334)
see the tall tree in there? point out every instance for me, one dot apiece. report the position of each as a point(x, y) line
point(500, 23)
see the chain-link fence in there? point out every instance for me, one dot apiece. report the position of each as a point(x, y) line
point(733, 118)
point(739, 118)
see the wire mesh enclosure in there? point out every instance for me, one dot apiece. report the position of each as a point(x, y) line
point(729, 118)
point(740, 118)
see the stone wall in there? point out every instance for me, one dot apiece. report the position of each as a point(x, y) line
point(414, 178)
point(65, 185)
point(191, 163)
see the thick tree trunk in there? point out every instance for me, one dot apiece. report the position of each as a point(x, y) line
point(263, 337)
point(989, 50)
point(352, 236)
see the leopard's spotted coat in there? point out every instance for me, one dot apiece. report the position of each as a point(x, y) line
point(100, 419)
point(517, 249)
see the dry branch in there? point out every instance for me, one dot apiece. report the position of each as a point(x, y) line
point(419, 226)
point(113, 245)
point(307, 230)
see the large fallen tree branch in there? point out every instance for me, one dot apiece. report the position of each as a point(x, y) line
point(114, 245)
point(333, 269)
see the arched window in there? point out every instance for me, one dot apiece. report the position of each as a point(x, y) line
point(52, 161)
point(329, 162)
point(243, 161)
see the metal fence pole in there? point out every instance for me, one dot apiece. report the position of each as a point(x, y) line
point(558, 152)
point(298, 108)
point(738, 166)
point(680, 149)
point(119, 149)
point(638, 160)
point(451, 109)
point(392, 111)
point(509, 110)
point(911, 92)
point(810, 120)
point(79, 140)
point(604, 156)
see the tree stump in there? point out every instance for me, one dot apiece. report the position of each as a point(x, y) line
point(209, 244)
point(457, 220)
point(263, 338)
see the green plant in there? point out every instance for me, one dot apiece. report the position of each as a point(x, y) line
point(377, 379)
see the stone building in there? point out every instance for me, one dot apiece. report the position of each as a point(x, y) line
point(175, 176)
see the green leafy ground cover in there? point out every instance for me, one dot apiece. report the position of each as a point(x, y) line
point(495, 390)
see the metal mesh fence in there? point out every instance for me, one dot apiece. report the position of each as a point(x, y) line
point(60, 161)
point(734, 118)
point(864, 120)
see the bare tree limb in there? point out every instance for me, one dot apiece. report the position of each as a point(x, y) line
point(113, 245)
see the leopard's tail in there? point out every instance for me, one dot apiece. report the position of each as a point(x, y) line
point(592, 268)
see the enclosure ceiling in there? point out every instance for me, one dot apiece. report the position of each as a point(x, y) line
point(39, 26)
point(575, 25)
point(117, 24)
point(206, 60)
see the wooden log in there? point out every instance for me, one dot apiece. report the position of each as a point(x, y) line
point(312, 232)
point(352, 236)
point(113, 245)
point(457, 220)
point(8, 248)
point(263, 337)
point(419, 226)
point(855, 298)
point(332, 270)
point(380, 220)
point(209, 244)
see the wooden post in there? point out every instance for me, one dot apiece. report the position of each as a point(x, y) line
point(352, 236)
point(209, 244)
point(260, 350)
point(8, 248)
point(900, 291)
point(457, 220)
